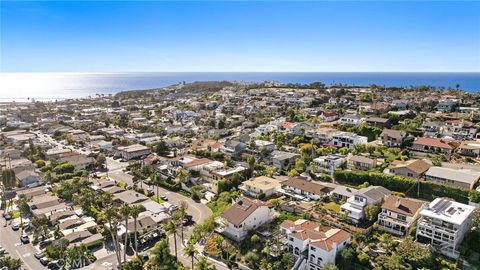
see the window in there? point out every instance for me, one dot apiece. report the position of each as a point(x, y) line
point(401, 217)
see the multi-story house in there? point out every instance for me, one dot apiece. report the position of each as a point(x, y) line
point(469, 148)
point(245, 215)
point(443, 224)
point(378, 122)
point(313, 245)
point(348, 139)
point(393, 138)
point(330, 163)
point(461, 178)
point(399, 214)
point(459, 129)
point(324, 135)
point(354, 207)
point(282, 160)
point(261, 185)
point(351, 120)
point(446, 105)
point(355, 162)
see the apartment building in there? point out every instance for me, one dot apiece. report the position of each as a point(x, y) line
point(443, 224)
point(132, 151)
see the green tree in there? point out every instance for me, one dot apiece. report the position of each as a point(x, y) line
point(415, 255)
point(203, 264)
point(329, 266)
point(372, 211)
point(389, 262)
point(125, 212)
point(251, 258)
point(190, 251)
point(134, 212)
point(161, 258)
point(171, 228)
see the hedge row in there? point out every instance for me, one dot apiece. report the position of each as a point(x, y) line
point(428, 190)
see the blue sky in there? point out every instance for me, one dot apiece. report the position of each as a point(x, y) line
point(106, 36)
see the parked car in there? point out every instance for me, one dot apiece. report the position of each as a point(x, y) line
point(38, 255)
point(54, 264)
point(8, 217)
point(24, 238)
point(44, 261)
point(15, 227)
point(164, 198)
point(150, 192)
point(2, 250)
point(187, 220)
point(44, 244)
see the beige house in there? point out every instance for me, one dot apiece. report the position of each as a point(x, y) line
point(410, 168)
point(399, 214)
point(261, 185)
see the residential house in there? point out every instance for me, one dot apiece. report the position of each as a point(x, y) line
point(260, 185)
point(351, 120)
point(233, 148)
point(461, 178)
point(469, 148)
point(356, 162)
point(446, 105)
point(393, 138)
point(459, 129)
point(399, 214)
point(342, 193)
point(354, 207)
point(443, 224)
point(305, 190)
point(28, 178)
point(313, 245)
point(410, 168)
point(348, 139)
point(132, 151)
point(283, 160)
point(434, 145)
point(330, 163)
point(245, 215)
point(378, 122)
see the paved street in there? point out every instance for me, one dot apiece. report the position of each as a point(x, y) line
point(10, 240)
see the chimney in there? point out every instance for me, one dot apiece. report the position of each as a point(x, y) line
point(397, 203)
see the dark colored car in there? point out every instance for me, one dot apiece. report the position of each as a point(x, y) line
point(187, 220)
point(24, 238)
point(44, 261)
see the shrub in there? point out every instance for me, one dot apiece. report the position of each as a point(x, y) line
point(428, 190)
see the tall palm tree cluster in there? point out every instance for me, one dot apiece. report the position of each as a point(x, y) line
point(114, 216)
point(8, 181)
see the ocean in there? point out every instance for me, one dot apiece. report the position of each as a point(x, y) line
point(22, 87)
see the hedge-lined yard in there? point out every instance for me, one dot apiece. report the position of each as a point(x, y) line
point(428, 190)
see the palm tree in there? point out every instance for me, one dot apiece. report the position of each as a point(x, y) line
point(171, 228)
point(203, 264)
point(156, 181)
point(182, 210)
point(24, 208)
point(161, 256)
point(8, 181)
point(134, 212)
point(190, 251)
point(251, 164)
point(111, 217)
point(125, 212)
